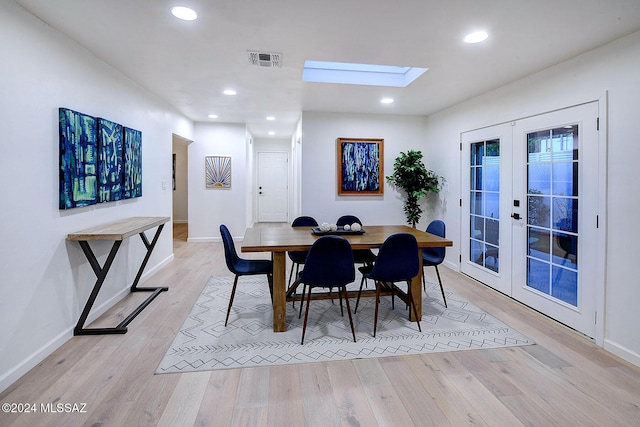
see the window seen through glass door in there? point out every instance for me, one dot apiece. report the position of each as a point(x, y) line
point(485, 204)
point(552, 212)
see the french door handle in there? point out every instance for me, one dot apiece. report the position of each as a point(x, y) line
point(515, 215)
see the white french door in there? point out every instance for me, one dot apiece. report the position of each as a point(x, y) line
point(530, 214)
point(486, 226)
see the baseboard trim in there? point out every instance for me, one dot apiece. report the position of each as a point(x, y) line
point(203, 239)
point(622, 352)
point(15, 373)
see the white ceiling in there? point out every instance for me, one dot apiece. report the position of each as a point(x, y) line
point(189, 64)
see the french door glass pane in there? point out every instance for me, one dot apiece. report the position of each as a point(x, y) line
point(485, 204)
point(552, 212)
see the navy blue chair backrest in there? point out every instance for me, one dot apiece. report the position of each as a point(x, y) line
point(329, 263)
point(347, 219)
point(230, 254)
point(438, 228)
point(398, 259)
point(304, 221)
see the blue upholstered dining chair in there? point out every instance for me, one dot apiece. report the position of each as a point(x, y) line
point(433, 257)
point(329, 264)
point(398, 261)
point(360, 256)
point(243, 267)
point(298, 257)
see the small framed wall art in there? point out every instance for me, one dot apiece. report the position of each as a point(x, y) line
point(360, 166)
point(218, 171)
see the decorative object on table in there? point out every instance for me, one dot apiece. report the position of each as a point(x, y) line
point(218, 171)
point(413, 177)
point(204, 344)
point(110, 160)
point(78, 159)
point(132, 164)
point(360, 166)
point(100, 160)
point(335, 230)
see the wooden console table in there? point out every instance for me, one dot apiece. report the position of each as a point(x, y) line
point(116, 231)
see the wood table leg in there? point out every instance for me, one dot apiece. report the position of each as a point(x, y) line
point(279, 292)
point(416, 292)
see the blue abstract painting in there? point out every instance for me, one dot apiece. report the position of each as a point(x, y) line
point(100, 160)
point(360, 169)
point(110, 161)
point(78, 159)
point(132, 163)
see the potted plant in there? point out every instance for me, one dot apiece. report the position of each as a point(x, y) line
point(412, 176)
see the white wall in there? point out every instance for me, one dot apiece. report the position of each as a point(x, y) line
point(615, 69)
point(45, 280)
point(319, 165)
point(210, 207)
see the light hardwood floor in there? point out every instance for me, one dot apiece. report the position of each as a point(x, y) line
point(563, 380)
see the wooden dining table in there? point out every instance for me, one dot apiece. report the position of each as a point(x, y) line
point(278, 239)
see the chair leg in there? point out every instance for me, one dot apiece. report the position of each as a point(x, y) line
point(346, 298)
point(393, 297)
point(270, 281)
point(292, 290)
point(340, 296)
point(413, 305)
point(233, 293)
point(362, 282)
point(424, 285)
point(290, 276)
point(304, 288)
point(306, 314)
point(441, 288)
point(375, 318)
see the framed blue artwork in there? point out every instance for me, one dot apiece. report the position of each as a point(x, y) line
point(110, 161)
point(360, 166)
point(78, 159)
point(132, 186)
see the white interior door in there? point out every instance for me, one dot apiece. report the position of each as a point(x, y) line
point(530, 212)
point(273, 177)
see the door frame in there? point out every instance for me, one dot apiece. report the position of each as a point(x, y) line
point(601, 234)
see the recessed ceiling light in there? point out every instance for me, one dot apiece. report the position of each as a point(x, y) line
point(270, 118)
point(229, 92)
point(213, 116)
point(476, 37)
point(271, 133)
point(184, 13)
point(387, 100)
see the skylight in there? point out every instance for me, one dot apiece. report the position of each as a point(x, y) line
point(360, 74)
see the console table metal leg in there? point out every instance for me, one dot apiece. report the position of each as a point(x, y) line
point(101, 273)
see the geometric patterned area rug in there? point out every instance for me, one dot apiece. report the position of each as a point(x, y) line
point(204, 343)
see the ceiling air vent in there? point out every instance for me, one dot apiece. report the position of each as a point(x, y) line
point(265, 59)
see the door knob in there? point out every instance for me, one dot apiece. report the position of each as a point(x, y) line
point(515, 215)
